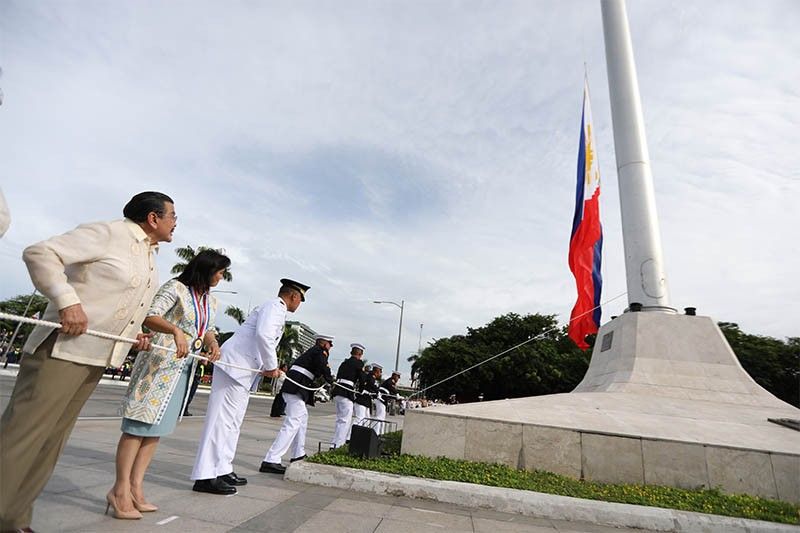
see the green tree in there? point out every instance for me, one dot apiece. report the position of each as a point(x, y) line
point(235, 313)
point(188, 253)
point(547, 365)
point(17, 306)
point(288, 345)
point(772, 363)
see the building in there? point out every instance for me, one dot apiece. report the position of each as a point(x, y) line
point(305, 335)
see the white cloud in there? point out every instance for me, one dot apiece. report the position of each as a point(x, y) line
point(409, 150)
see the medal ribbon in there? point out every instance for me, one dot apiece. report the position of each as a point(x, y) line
point(201, 312)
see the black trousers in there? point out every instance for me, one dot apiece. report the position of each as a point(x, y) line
point(278, 406)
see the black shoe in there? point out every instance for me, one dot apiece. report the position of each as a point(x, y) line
point(213, 486)
point(233, 479)
point(272, 468)
point(295, 459)
point(187, 413)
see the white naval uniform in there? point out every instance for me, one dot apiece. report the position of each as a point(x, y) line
point(344, 418)
point(360, 412)
point(380, 413)
point(293, 430)
point(254, 345)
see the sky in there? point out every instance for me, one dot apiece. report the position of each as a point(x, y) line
point(414, 151)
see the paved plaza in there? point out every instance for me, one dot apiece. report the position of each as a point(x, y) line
point(74, 499)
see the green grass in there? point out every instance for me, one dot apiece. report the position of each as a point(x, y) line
point(711, 501)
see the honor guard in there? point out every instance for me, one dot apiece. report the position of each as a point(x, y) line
point(386, 393)
point(347, 382)
point(369, 390)
point(299, 379)
point(254, 345)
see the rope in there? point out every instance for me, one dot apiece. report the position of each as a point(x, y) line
point(517, 346)
point(108, 336)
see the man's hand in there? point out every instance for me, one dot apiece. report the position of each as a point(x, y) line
point(73, 320)
point(144, 342)
point(274, 373)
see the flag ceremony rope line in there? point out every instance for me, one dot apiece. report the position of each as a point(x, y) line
point(102, 335)
point(517, 346)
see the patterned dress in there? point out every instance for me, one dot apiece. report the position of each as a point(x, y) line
point(156, 394)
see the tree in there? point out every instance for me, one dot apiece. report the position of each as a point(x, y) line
point(235, 313)
point(188, 253)
point(288, 345)
point(17, 306)
point(772, 363)
point(547, 365)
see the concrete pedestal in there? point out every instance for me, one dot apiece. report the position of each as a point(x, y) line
point(664, 402)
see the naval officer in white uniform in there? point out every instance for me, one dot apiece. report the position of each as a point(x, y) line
point(254, 345)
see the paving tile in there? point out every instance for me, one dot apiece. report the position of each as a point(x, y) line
point(511, 518)
point(313, 498)
point(432, 506)
point(484, 525)
point(563, 526)
point(340, 522)
point(184, 525)
point(363, 508)
point(390, 525)
point(231, 510)
point(282, 519)
point(66, 479)
point(427, 517)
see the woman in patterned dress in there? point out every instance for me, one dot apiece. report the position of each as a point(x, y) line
point(182, 317)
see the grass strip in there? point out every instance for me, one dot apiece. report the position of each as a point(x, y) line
point(710, 501)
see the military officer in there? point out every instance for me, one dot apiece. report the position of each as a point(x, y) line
point(297, 391)
point(386, 392)
point(368, 390)
point(348, 378)
point(254, 345)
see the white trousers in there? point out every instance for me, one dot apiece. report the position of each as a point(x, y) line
point(380, 414)
point(344, 418)
point(360, 412)
point(293, 431)
point(227, 405)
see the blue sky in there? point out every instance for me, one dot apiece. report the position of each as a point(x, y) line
point(423, 151)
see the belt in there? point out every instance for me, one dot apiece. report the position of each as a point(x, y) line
point(345, 382)
point(307, 373)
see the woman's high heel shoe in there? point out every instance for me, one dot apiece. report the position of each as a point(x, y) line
point(122, 515)
point(144, 507)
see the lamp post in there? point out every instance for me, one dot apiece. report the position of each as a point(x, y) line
point(400, 305)
point(229, 292)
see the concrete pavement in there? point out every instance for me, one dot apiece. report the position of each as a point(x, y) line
point(74, 499)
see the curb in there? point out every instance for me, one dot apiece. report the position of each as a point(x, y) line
point(527, 502)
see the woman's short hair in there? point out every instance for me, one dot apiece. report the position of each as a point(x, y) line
point(145, 203)
point(198, 272)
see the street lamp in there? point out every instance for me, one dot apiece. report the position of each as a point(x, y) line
point(229, 292)
point(401, 305)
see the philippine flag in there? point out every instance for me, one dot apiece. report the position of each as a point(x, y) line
point(586, 243)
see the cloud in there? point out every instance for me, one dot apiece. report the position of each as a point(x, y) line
point(411, 151)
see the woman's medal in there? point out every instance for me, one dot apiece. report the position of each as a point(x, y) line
point(201, 313)
point(197, 344)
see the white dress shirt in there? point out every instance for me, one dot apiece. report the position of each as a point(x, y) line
point(255, 343)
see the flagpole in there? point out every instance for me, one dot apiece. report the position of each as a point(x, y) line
point(644, 263)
